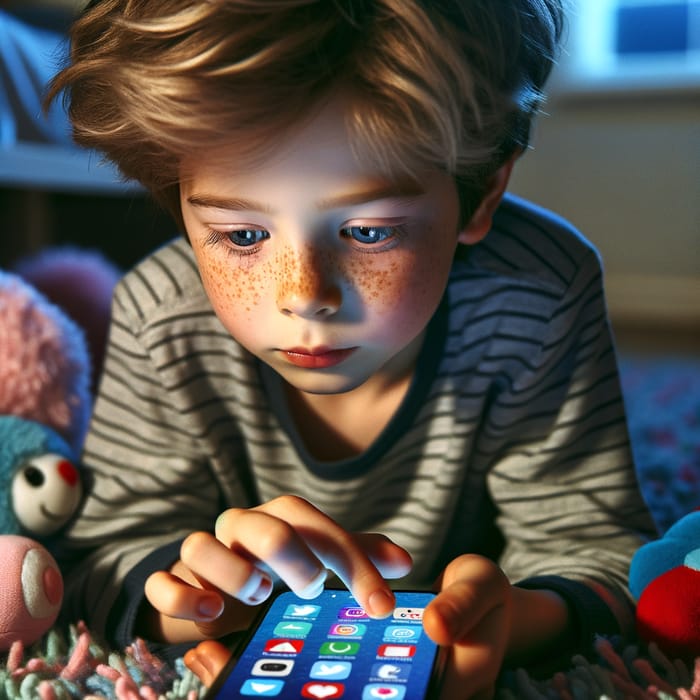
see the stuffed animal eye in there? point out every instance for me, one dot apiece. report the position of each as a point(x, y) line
point(34, 476)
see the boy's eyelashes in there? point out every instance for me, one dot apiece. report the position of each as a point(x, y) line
point(250, 237)
point(369, 235)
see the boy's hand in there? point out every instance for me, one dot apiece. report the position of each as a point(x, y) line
point(287, 537)
point(472, 615)
point(483, 619)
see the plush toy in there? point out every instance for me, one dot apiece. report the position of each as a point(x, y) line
point(665, 580)
point(44, 409)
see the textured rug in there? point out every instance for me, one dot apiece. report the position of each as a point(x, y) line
point(663, 404)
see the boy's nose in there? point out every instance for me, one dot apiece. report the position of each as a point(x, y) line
point(308, 288)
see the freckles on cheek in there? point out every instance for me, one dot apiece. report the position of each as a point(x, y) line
point(232, 286)
point(378, 281)
point(392, 282)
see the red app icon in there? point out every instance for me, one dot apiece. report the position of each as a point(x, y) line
point(396, 651)
point(320, 690)
point(284, 646)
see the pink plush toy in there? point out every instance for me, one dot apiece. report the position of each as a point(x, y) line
point(44, 409)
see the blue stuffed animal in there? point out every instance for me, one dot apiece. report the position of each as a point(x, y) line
point(44, 408)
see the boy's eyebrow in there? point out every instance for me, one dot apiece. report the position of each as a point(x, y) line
point(232, 203)
point(404, 188)
point(385, 190)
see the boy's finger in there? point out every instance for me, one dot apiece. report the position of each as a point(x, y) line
point(339, 551)
point(472, 587)
point(171, 596)
point(272, 541)
point(216, 565)
point(392, 560)
point(299, 543)
point(207, 660)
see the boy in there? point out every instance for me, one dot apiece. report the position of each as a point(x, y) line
point(337, 348)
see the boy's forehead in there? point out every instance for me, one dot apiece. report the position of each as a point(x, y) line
point(319, 146)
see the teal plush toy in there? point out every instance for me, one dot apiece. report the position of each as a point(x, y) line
point(44, 409)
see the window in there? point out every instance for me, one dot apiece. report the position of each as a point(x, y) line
point(632, 44)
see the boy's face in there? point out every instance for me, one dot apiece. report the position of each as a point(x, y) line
point(319, 266)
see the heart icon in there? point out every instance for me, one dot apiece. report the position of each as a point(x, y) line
point(321, 690)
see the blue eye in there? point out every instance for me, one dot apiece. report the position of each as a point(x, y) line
point(247, 236)
point(368, 234)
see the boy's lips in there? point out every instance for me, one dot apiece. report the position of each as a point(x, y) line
point(316, 358)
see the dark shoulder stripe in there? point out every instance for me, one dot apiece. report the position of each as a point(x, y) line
point(134, 303)
point(530, 219)
point(138, 273)
point(166, 271)
point(516, 240)
point(183, 316)
point(194, 334)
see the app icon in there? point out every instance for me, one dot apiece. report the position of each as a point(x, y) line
point(347, 629)
point(272, 667)
point(391, 672)
point(373, 691)
point(262, 689)
point(322, 691)
point(396, 651)
point(310, 612)
point(284, 646)
point(339, 648)
point(402, 633)
point(409, 614)
point(330, 670)
point(289, 628)
point(352, 613)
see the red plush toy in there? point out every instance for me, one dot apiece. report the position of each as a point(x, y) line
point(665, 579)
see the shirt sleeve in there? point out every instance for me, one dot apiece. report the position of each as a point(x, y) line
point(147, 483)
point(560, 470)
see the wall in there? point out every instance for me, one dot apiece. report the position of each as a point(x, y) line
point(625, 169)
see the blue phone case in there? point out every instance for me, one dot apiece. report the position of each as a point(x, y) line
point(328, 648)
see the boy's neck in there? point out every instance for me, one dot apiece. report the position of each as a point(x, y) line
point(342, 426)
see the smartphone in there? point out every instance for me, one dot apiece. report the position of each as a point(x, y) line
point(329, 648)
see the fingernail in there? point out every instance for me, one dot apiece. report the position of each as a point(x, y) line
point(257, 588)
point(210, 608)
point(314, 588)
point(381, 604)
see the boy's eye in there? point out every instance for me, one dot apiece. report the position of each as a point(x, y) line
point(368, 234)
point(247, 236)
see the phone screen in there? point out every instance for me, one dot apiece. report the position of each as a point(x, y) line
point(329, 648)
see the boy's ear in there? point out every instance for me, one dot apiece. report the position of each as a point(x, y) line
point(480, 223)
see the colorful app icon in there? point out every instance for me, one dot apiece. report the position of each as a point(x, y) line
point(409, 614)
point(308, 612)
point(284, 646)
point(289, 628)
point(322, 691)
point(262, 689)
point(402, 633)
point(339, 648)
point(347, 629)
point(396, 651)
point(373, 691)
point(272, 667)
point(390, 673)
point(353, 613)
point(330, 670)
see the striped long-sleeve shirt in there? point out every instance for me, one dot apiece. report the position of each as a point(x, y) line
point(510, 442)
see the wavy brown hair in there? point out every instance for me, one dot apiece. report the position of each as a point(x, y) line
point(452, 84)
